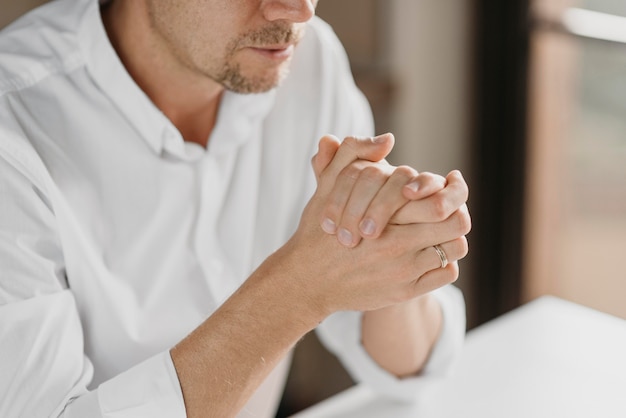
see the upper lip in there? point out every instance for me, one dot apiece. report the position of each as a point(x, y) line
point(273, 47)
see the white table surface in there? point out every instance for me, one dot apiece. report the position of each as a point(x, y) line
point(549, 358)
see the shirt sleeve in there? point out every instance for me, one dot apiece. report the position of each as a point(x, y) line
point(44, 371)
point(341, 334)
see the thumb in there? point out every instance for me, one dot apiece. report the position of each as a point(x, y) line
point(326, 151)
point(366, 148)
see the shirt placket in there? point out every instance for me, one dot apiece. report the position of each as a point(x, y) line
point(212, 181)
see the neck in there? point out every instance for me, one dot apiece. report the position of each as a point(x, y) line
point(188, 99)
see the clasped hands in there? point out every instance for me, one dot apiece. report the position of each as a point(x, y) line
point(367, 235)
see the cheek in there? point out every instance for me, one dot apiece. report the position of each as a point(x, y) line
point(209, 45)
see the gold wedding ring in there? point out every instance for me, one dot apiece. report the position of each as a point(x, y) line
point(442, 256)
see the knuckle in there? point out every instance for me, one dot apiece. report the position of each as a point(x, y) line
point(440, 209)
point(463, 247)
point(350, 141)
point(464, 191)
point(351, 172)
point(404, 172)
point(456, 174)
point(431, 178)
point(373, 174)
point(351, 215)
point(333, 208)
point(460, 183)
point(327, 179)
point(380, 212)
point(465, 222)
point(462, 223)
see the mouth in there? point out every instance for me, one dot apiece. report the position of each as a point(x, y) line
point(275, 52)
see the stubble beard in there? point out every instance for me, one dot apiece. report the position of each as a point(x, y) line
point(232, 75)
point(233, 79)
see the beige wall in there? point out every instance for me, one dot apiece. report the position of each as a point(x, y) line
point(422, 49)
point(430, 53)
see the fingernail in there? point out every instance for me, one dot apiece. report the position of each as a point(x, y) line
point(345, 237)
point(414, 186)
point(329, 226)
point(368, 227)
point(379, 139)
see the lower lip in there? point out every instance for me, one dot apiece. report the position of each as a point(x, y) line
point(275, 54)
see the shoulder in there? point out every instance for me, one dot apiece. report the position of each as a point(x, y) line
point(41, 43)
point(19, 153)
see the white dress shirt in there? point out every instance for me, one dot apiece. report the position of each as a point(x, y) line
point(118, 238)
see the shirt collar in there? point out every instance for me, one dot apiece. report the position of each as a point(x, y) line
point(237, 116)
point(109, 73)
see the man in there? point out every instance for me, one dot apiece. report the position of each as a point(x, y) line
point(163, 244)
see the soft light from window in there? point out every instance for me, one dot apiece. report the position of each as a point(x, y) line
point(595, 25)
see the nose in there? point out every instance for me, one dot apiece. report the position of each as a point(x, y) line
point(294, 11)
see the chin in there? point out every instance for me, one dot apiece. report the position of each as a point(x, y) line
point(241, 83)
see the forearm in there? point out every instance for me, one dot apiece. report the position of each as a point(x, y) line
point(400, 337)
point(223, 361)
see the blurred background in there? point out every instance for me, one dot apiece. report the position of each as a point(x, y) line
point(528, 99)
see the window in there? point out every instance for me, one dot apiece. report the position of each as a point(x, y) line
point(575, 234)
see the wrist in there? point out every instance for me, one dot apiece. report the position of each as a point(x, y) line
point(422, 306)
point(400, 337)
point(287, 291)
